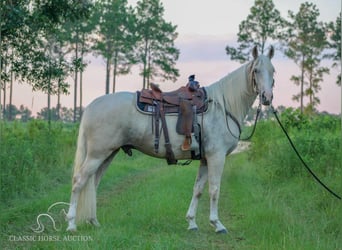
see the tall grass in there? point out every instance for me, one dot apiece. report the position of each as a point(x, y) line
point(317, 138)
point(33, 157)
point(309, 211)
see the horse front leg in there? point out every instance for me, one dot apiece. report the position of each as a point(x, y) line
point(201, 180)
point(215, 169)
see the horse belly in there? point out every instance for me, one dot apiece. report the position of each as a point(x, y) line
point(113, 121)
point(143, 137)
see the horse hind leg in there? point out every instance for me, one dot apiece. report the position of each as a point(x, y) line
point(201, 180)
point(83, 195)
point(100, 171)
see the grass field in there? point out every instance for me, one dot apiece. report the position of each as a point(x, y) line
point(142, 202)
point(142, 205)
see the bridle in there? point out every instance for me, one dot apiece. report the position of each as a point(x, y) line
point(253, 79)
point(256, 91)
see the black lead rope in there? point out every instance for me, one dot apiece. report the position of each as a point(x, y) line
point(301, 159)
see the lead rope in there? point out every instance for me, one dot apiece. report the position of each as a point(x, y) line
point(301, 159)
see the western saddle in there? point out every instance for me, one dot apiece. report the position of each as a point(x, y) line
point(187, 102)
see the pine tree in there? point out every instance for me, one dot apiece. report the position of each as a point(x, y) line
point(156, 50)
point(334, 31)
point(304, 43)
point(263, 24)
point(115, 38)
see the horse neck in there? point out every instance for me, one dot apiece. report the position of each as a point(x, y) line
point(235, 92)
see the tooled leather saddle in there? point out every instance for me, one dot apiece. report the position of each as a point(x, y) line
point(185, 101)
point(172, 100)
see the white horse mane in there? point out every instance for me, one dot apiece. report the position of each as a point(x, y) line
point(238, 88)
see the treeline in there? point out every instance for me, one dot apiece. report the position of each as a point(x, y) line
point(302, 38)
point(24, 114)
point(44, 42)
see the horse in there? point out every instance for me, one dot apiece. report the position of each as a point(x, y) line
point(112, 121)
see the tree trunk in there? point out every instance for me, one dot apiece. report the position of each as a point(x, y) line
point(58, 110)
point(145, 64)
point(302, 87)
point(115, 65)
point(107, 75)
point(4, 95)
point(49, 104)
point(10, 110)
point(81, 92)
point(81, 76)
point(148, 70)
point(75, 83)
point(311, 91)
point(49, 97)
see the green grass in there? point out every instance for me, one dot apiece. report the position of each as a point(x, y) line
point(267, 201)
point(142, 205)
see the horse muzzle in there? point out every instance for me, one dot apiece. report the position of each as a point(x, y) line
point(266, 98)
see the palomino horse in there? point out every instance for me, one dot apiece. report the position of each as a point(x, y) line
point(113, 121)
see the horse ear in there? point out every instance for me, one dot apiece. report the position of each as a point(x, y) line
point(255, 52)
point(271, 52)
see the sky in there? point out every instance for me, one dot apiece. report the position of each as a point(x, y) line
point(204, 29)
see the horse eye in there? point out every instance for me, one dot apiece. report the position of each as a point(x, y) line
point(256, 70)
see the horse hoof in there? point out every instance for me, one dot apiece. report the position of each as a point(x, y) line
point(93, 222)
point(71, 229)
point(222, 231)
point(194, 229)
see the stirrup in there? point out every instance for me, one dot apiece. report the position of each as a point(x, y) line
point(186, 146)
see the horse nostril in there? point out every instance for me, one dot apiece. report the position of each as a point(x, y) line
point(263, 96)
point(266, 98)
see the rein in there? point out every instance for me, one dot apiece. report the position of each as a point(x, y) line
point(238, 124)
point(301, 159)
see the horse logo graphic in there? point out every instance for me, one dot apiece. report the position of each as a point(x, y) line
point(40, 226)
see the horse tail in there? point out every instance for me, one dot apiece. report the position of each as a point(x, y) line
point(86, 204)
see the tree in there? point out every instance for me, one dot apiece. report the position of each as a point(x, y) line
point(334, 33)
point(264, 23)
point(10, 108)
point(25, 113)
point(26, 26)
point(155, 50)
point(115, 37)
point(65, 114)
point(13, 15)
point(77, 39)
point(304, 43)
